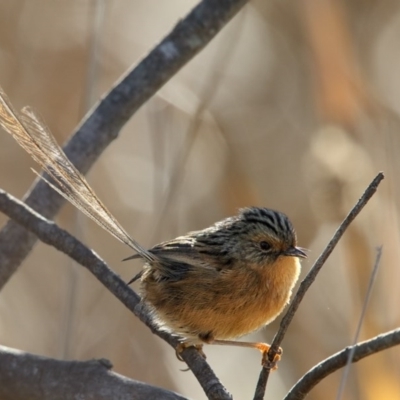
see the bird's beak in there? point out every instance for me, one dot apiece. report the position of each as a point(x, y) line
point(296, 252)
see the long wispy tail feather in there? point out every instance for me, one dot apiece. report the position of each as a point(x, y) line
point(32, 134)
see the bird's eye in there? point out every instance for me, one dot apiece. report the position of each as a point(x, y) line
point(265, 246)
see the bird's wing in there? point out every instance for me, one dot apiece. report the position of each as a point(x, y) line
point(195, 249)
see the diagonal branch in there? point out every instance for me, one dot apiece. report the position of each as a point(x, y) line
point(309, 279)
point(49, 233)
point(103, 123)
point(339, 360)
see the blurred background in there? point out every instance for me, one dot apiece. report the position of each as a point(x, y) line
point(294, 106)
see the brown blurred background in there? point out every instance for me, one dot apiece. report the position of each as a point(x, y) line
point(294, 106)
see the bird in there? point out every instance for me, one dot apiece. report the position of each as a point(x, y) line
point(225, 281)
point(210, 286)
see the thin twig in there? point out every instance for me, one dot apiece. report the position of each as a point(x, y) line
point(360, 322)
point(309, 279)
point(102, 125)
point(339, 360)
point(49, 233)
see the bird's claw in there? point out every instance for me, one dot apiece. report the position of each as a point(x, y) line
point(267, 363)
point(183, 345)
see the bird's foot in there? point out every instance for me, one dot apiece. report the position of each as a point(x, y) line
point(184, 345)
point(265, 361)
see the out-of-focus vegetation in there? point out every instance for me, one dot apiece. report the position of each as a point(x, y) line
point(294, 106)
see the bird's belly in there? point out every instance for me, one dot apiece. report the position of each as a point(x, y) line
point(218, 310)
point(222, 320)
point(235, 321)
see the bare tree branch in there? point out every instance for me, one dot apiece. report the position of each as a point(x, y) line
point(48, 232)
point(309, 279)
point(103, 123)
point(28, 376)
point(339, 360)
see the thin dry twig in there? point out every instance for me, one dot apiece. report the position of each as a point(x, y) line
point(309, 279)
point(360, 322)
point(339, 360)
point(49, 233)
point(102, 125)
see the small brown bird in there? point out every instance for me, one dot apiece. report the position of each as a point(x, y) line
point(225, 281)
point(209, 286)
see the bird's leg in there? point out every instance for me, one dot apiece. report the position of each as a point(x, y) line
point(263, 347)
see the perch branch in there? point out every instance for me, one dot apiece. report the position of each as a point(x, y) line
point(49, 233)
point(309, 279)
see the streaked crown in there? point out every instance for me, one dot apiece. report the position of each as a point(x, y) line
point(272, 222)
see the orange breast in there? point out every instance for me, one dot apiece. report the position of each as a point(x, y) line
point(226, 305)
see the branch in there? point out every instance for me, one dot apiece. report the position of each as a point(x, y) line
point(339, 360)
point(105, 120)
point(48, 232)
point(27, 376)
point(309, 279)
